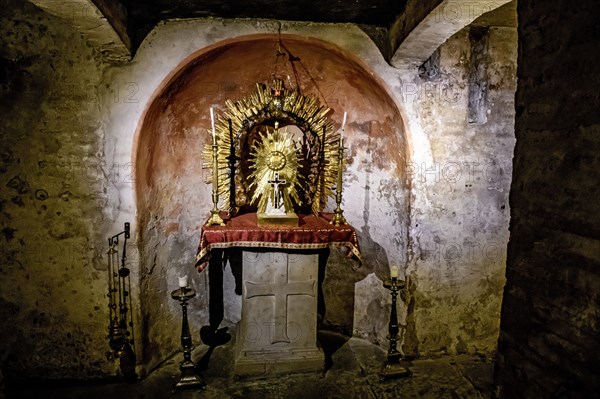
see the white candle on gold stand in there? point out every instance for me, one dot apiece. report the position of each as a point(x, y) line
point(344, 121)
point(183, 281)
point(394, 272)
point(215, 219)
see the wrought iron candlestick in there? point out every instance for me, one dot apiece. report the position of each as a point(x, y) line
point(338, 217)
point(189, 377)
point(393, 368)
point(215, 218)
point(120, 318)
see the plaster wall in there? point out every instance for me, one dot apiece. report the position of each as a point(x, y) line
point(461, 175)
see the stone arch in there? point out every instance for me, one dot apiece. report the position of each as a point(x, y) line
point(439, 20)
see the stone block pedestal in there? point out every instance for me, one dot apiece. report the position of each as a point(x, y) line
point(278, 329)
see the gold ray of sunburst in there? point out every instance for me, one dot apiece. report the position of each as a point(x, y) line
point(275, 152)
point(269, 103)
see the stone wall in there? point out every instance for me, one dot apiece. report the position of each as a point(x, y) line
point(53, 304)
point(461, 176)
point(549, 338)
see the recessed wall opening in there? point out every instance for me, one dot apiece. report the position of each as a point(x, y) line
point(173, 200)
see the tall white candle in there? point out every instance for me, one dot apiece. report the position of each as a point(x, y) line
point(394, 272)
point(344, 121)
point(212, 122)
point(183, 281)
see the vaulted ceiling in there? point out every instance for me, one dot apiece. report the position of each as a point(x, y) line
point(142, 15)
point(405, 31)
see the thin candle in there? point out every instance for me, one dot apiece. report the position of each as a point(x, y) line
point(212, 121)
point(344, 121)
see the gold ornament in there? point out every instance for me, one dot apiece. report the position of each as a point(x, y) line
point(239, 128)
point(274, 156)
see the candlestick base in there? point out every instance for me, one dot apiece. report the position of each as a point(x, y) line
point(215, 219)
point(394, 370)
point(189, 377)
point(338, 218)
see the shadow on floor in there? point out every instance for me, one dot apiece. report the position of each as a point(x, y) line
point(352, 371)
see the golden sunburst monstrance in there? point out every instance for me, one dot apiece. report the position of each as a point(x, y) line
point(274, 156)
point(240, 131)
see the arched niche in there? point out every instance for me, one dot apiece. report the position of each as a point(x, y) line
point(173, 200)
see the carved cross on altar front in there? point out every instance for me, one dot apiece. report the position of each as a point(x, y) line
point(281, 288)
point(275, 183)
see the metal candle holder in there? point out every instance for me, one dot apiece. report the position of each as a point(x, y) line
point(215, 218)
point(393, 368)
point(189, 377)
point(120, 319)
point(338, 217)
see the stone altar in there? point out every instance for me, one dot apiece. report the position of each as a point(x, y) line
point(278, 329)
point(279, 286)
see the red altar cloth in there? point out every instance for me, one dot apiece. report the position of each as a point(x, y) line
point(313, 232)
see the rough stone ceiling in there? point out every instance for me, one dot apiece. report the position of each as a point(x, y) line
point(142, 15)
point(117, 27)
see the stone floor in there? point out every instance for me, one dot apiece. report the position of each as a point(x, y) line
point(352, 368)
